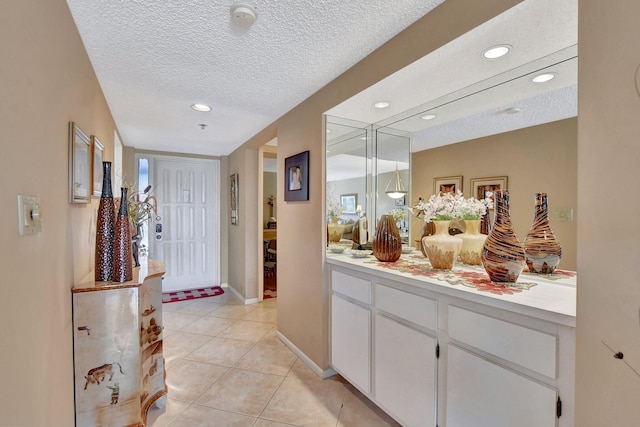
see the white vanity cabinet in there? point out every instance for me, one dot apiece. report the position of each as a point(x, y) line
point(117, 349)
point(434, 354)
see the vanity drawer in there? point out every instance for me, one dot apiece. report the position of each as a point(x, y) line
point(351, 286)
point(414, 308)
point(526, 347)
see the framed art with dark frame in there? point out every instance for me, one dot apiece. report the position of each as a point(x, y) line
point(296, 177)
point(79, 165)
point(233, 198)
point(481, 185)
point(447, 184)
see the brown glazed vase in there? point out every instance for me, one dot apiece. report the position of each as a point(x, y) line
point(105, 229)
point(503, 254)
point(429, 229)
point(387, 245)
point(542, 250)
point(122, 261)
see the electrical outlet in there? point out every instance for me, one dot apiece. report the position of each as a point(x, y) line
point(561, 214)
point(29, 221)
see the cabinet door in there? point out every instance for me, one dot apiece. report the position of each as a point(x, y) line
point(106, 357)
point(405, 372)
point(350, 348)
point(483, 394)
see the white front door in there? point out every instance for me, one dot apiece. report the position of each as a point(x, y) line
point(185, 234)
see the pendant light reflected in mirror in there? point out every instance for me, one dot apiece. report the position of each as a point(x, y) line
point(398, 190)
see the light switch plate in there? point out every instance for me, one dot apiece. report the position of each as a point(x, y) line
point(29, 221)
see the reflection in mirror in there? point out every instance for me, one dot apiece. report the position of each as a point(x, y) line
point(393, 155)
point(348, 177)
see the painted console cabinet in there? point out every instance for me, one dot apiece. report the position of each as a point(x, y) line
point(433, 354)
point(117, 338)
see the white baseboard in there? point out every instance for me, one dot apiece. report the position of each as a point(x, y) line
point(239, 297)
point(310, 363)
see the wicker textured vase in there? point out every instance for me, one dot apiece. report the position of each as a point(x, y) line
point(472, 242)
point(387, 245)
point(542, 250)
point(105, 229)
point(122, 261)
point(503, 254)
point(442, 248)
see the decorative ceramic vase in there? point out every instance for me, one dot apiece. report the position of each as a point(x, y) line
point(105, 229)
point(542, 250)
point(472, 242)
point(387, 245)
point(429, 229)
point(503, 254)
point(442, 248)
point(335, 229)
point(122, 268)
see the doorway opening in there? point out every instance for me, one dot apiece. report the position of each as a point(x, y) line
point(268, 195)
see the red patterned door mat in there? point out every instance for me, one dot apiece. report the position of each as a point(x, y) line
point(192, 294)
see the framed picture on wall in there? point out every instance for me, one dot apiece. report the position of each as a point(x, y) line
point(400, 201)
point(447, 184)
point(349, 202)
point(233, 198)
point(484, 187)
point(79, 165)
point(296, 177)
point(96, 166)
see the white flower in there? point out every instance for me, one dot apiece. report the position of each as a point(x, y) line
point(449, 206)
point(474, 208)
point(335, 209)
point(398, 214)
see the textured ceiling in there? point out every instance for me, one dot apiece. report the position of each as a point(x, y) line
point(155, 58)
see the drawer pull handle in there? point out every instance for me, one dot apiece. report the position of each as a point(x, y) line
point(85, 328)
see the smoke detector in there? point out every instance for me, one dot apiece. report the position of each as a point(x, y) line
point(243, 15)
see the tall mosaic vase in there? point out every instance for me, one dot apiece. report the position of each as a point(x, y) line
point(472, 242)
point(503, 254)
point(387, 246)
point(543, 252)
point(442, 248)
point(105, 229)
point(122, 261)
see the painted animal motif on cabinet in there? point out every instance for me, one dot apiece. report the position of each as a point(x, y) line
point(95, 375)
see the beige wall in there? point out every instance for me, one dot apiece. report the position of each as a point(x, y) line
point(46, 80)
point(302, 298)
point(537, 159)
point(608, 390)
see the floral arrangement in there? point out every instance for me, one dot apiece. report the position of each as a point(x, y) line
point(398, 214)
point(335, 209)
point(140, 206)
point(448, 206)
point(473, 208)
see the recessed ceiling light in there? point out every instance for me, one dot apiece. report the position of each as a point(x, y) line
point(201, 107)
point(496, 51)
point(512, 110)
point(428, 117)
point(381, 104)
point(541, 78)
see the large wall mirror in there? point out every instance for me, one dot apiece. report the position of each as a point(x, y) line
point(463, 115)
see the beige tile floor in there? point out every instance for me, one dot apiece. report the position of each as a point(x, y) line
point(225, 367)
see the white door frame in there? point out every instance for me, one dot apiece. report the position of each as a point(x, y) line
point(216, 233)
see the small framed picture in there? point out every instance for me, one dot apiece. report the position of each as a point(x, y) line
point(96, 166)
point(79, 165)
point(447, 184)
point(296, 177)
point(400, 201)
point(349, 202)
point(233, 198)
point(484, 187)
